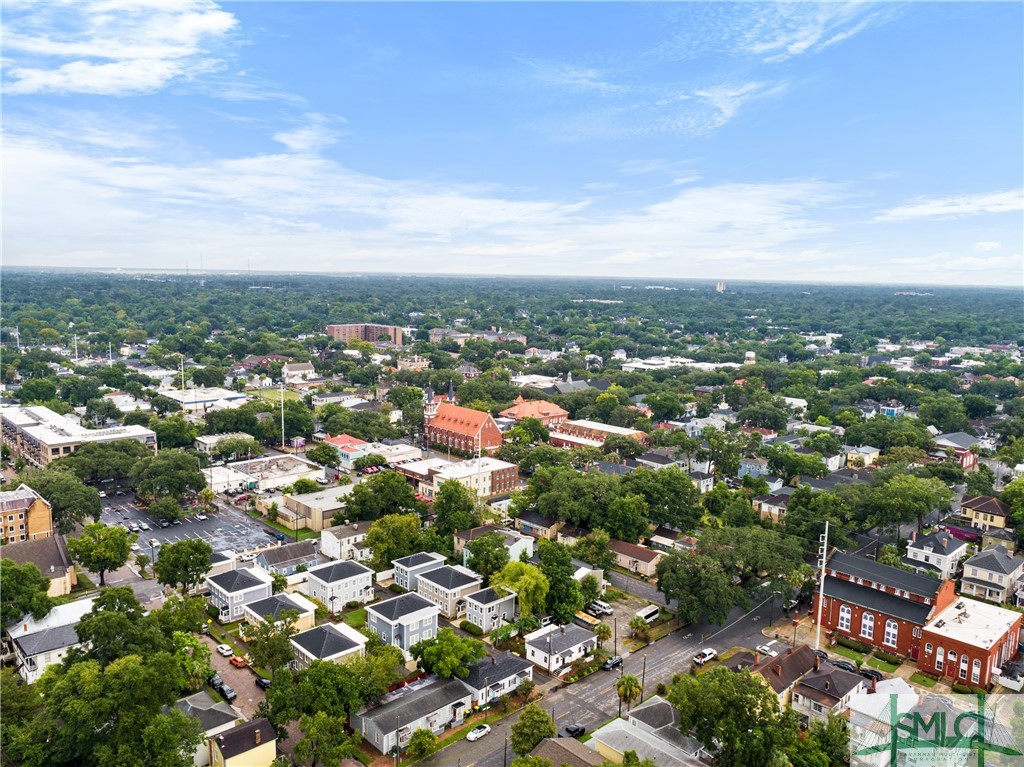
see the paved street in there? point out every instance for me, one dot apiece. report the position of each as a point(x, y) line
point(592, 701)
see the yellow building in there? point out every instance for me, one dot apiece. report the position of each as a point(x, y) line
point(24, 515)
point(252, 744)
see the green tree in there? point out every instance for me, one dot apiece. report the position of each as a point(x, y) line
point(564, 599)
point(454, 508)
point(699, 585)
point(21, 702)
point(603, 632)
point(193, 658)
point(142, 562)
point(366, 461)
point(905, 498)
point(270, 641)
point(170, 473)
point(448, 654)
point(638, 625)
point(325, 741)
point(623, 446)
point(166, 507)
point(184, 564)
point(70, 500)
point(532, 761)
point(534, 724)
point(393, 536)
point(102, 548)
point(174, 432)
point(945, 413)
point(117, 627)
point(593, 549)
point(671, 496)
point(382, 494)
point(981, 481)
point(529, 584)
point(590, 589)
point(487, 555)
point(324, 454)
point(421, 743)
point(627, 688)
point(625, 518)
point(278, 583)
point(209, 376)
point(24, 592)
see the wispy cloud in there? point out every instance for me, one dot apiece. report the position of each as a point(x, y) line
point(576, 78)
point(1009, 201)
point(111, 48)
point(987, 247)
point(728, 98)
point(315, 135)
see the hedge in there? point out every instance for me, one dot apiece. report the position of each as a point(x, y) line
point(888, 657)
point(471, 628)
point(853, 644)
point(396, 588)
point(965, 689)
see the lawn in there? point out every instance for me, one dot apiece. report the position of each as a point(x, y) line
point(304, 534)
point(846, 652)
point(356, 618)
point(881, 665)
point(274, 395)
point(922, 680)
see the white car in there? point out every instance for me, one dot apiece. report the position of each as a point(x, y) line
point(766, 650)
point(478, 732)
point(201, 517)
point(226, 650)
point(136, 547)
point(705, 656)
point(143, 526)
point(248, 557)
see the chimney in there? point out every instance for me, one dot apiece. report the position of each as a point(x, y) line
point(757, 658)
point(817, 662)
point(790, 651)
point(777, 669)
point(871, 689)
point(259, 737)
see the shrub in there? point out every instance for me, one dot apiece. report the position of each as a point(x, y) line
point(396, 588)
point(525, 688)
point(853, 644)
point(888, 657)
point(352, 605)
point(471, 628)
point(661, 689)
point(966, 689)
point(213, 612)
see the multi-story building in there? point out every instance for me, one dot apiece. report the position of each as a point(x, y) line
point(339, 583)
point(825, 690)
point(497, 675)
point(51, 556)
point(346, 541)
point(484, 477)
point(959, 444)
point(331, 642)
point(548, 413)
point(231, 591)
point(882, 606)
point(39, 435)
point(408, 569)
point(39, 644)
point(516, 542)
point(391, 334)
point(584, 433)
point(447, 587)
point(403, 621)
point(273, 607)
point(969, 640)
point(992, 574)
point(939, 553)
point(24, 515)
point(984, 511)
point(462, 428)
point(489, 608)
point(286, 559)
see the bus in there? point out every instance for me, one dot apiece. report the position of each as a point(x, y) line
point(649, 613)
point(586, 621)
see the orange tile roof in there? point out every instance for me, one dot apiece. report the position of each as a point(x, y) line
point(533, 409)
point(345, 440)
point(461, 420)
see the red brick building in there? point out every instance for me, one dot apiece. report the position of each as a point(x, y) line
point(882, 606)
point(548, 413)
point(462, 428)
point(366, 332)
point(969, 640)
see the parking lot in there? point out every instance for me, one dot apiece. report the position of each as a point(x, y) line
point(241, 680)
point(225, 528)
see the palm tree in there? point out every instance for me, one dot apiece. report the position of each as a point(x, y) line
point(603, 632)
point(628, 689)
point(638, 626)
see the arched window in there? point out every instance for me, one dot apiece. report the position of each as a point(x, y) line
point(976, 671)
point(940, 655)
point(844, 618)
point(963, 666)
point(892, 633)
point(867, 626)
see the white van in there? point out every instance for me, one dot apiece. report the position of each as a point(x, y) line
point(598, 608)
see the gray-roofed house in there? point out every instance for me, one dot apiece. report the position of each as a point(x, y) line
point(271, 608)
point(825, 690)
point(39, 644)
point(515, 542)
point(567, 752)
point(286, 559)
point(230, 592)
point(652, 731)
point(434, 706)
point(488, 608)
point(992, 574)
point(50, 555)
point(938, 553)
point(346, 541)
point(328, 642)
point(495, 676)
point(447, 587)
point(338, 583)
point(554, 648)
point(407, 569)
point(403, 620)
point(253, 744)
point(215, 717)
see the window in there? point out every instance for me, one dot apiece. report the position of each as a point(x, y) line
point(844, 618)
point(939, 656)
point(928, 648)
point(976, 672)
point(963, 666)
point(892, 633)
point(867, 626)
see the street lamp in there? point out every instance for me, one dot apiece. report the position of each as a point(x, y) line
point(771, 607)
point(331, 600)
point(153, 542)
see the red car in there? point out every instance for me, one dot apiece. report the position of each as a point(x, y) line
point(238, 661)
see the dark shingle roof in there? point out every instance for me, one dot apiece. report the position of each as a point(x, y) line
point(828, 684)
point(536, 518)
point(395, 608)
point(419, 558)
point(210, 713)
point(496, 669)
point(242, 738)
point(563, 638)
point(986, 504)
point(48, 639)
point(339, 571)
point(940, 542)
point(994, 558)
point(782, 671)
point(324, 641)
point(417, 704)
point(44, 553)
point(447, 577)
point(870, 570)
point(236, 580)
point(880, 601)
point(567, 752)
point(273, 606)
point(487, 596)
point(300, 551)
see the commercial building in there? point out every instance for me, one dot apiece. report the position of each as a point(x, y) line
point(548, 413)
point(275, 472)
point(39, 435)
point(204, 399)
point(484, 477)
point(207, 443)
point(366, 332)
point(969, 640)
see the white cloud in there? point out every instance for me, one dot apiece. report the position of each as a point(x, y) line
point(779, 31)
point(727, 99)
point(313, 136)
point(1010, 201)
point(586, 79)
point(985, 247)
point(111, 48)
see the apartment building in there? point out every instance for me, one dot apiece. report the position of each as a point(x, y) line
point(39, 435)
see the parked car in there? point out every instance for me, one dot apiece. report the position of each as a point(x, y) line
point(766, 650)
point(102, 494)
point(872, 674)
point(136, 547)
point(226, 650)
point(478, 732)
point(238, 661)
point(143, 526)
point(175, 521)
point(216, 681)
point(262, 682)
point(821, 654)
point(845, 666)
point(161, 523)
point(228, 692)
point(248, 557)
point(613, 662)
point(575, 730)
point(134, 527)
point(705, 656)
point(597, 608)
point(201, 517)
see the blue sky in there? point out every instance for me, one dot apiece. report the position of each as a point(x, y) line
point(826, 142)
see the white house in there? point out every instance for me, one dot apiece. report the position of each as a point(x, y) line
point(992, 574)
point(39, 644)
point(554, 648)
point(338, 583)
point(825, 690)
point(515, 542)
point(297, 372)
point(433, 705)
point(488, 608)
point(938, 553)
point(230, 592)
point(331, 642)
point(497, 675)
point(346, 541)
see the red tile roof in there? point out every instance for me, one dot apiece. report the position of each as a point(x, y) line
point(533, 409)
point(461, 420)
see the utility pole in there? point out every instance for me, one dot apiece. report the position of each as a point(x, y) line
point(822, 561)
point(282, 412)
point(643, 678)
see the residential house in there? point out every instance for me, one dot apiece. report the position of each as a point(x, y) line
point(782, 672)
point(462, 428)
point(958, 444)
point(414, 362)
point(969, 640)
point(253, 744)
point(567, 752)
point(50, 555)
point(222, 562)
point(555, 648)
point(496, 675)
point(288, 558)
point(408, 569)
point(346, 542)
point(39, 644)
point(403, 621)
point(652, 731)
point(536, 524)
point(517, 543)
point(665, 538)
point(271, 608)
point(231, 591)
point(705, 482)
point(892, 409)
point(331, 642)
point(338, 583)
point(870, 715)
point(865, 455)
point(825, 690)
point(984, 511)
point(447, 587)
point(938, 553)
point(350, 449)
point(569, 534)
point(753, 467)
point(297, 372)
point(999, 536)
point(24, 515)
point(434, 706)
point(488, 608)
point(772, 506)
point(548, 413)
point(635, 558)
point(657, 459)
point(992, 574)
point(214, 716)
point(885, 607)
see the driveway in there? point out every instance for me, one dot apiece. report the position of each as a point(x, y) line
point(241, 680)
point(643, 589)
